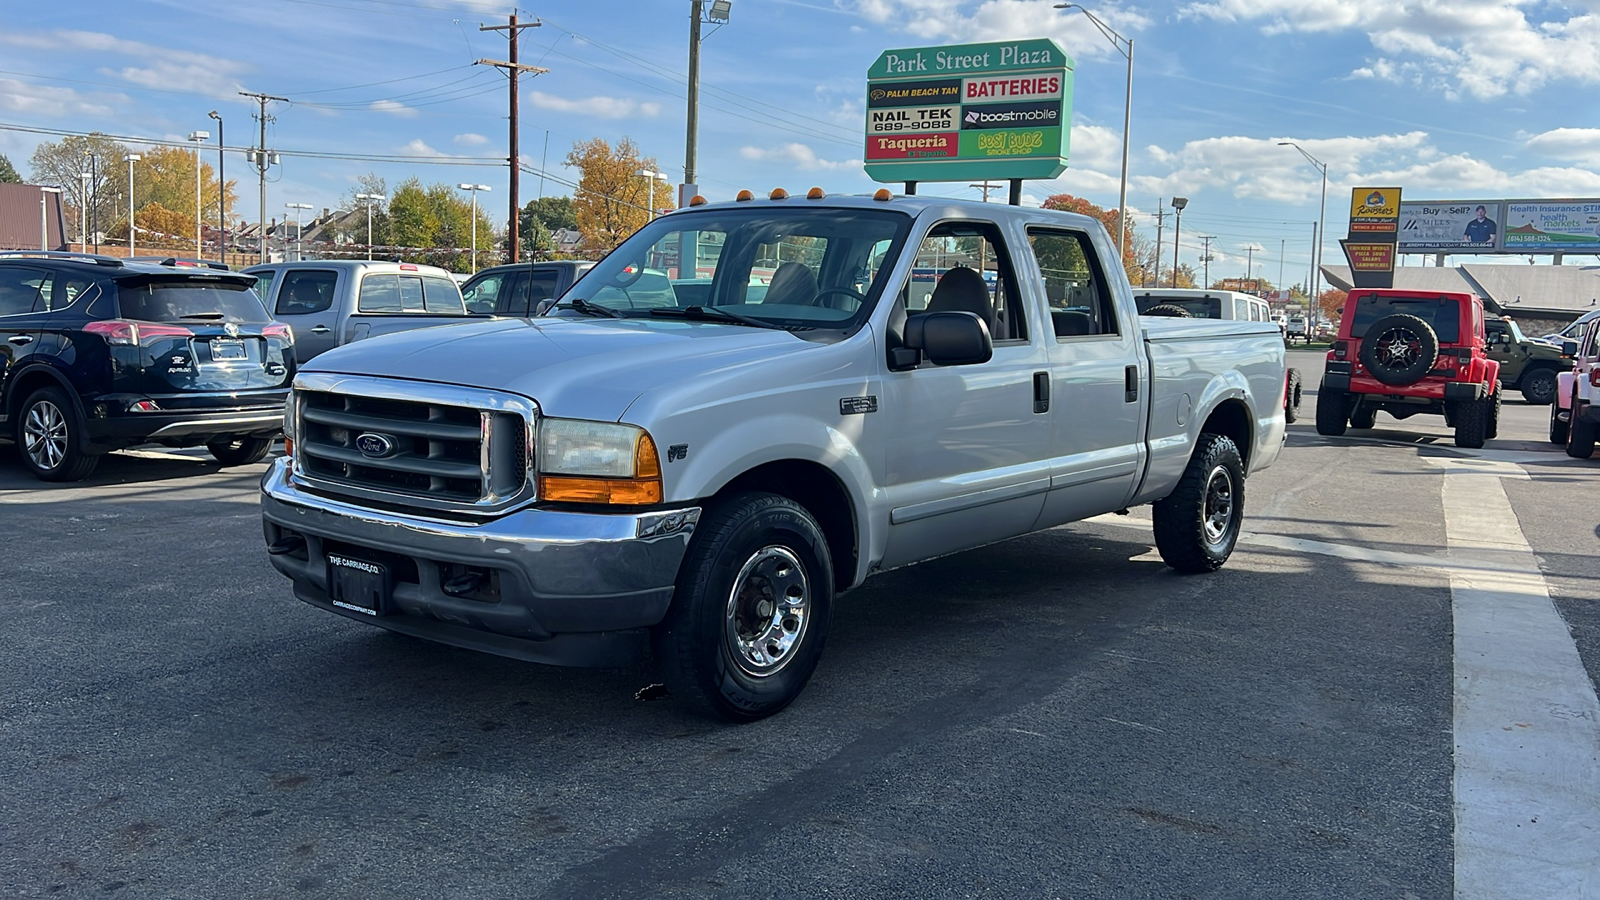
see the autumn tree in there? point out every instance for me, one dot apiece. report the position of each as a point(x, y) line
point(613, 199)
point(164, 178)
point(1135, 249)
point(1331, 304)
point(8, 172)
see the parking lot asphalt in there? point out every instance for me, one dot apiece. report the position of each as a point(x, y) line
point(1055, 716)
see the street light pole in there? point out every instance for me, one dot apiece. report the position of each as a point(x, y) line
point(299, 244)
point(370, 199)
point(222, 195)
point(1322, 227)
point(44, 219)
point(1125, 47)
point(131, 158)
point(651, 188)
point(474, 188)
point(199, 137)
point(1178, 203)
point(84, 179)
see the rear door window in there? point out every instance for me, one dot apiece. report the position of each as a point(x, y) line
point(542, 284)
point(441, 296)
point(380, 294)
point(305, 291)
point(24, 290)
point(1080, 304)
point(189, 301)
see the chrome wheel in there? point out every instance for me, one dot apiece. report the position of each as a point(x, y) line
point(1217, 516)
point(44, 435)
point(768, 610)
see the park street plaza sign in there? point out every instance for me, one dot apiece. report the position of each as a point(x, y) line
point(969, 112)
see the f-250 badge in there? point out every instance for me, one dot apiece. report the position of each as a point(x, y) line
point(858, 406)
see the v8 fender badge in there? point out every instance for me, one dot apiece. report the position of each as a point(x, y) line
point(858, 406)
point(677, 452)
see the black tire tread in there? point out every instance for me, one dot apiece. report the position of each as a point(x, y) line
point(1472, 423)
point(1180, 537)
point(239, 450)
point(1363, 416)
point(1580, 433)
point(1291, 404)
point(1331, 416)
point(1542, 373)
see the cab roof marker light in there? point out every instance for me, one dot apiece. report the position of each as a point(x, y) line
point(743, 196)
point(778, 194)
point(815, 193)
point(697, 200)
point(881, 194)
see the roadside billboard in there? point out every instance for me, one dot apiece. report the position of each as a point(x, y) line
point(1451, 226)
point(1552, 226)
point(973, 111)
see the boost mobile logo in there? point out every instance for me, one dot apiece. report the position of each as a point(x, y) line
point(972, 116)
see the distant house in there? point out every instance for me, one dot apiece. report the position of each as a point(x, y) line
point(23, 209)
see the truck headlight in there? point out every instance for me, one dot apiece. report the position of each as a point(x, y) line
point(597, 462)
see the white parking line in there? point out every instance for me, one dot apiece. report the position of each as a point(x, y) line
point(1527, 721)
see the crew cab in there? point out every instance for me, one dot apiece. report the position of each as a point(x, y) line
point(331, 302)
point(707, 466)
point(1575, 416)
point(1407, 353)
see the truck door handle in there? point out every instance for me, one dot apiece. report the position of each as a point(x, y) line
point(321, 329)
point(1041, 392)
point(20, 339)
point(1130, 384)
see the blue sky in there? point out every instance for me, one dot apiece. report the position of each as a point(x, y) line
point(1450, 99)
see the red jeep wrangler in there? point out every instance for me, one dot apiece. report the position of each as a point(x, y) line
point(1409, 352)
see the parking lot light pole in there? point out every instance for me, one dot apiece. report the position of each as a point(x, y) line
point(651, 187)
point(131, 158)
point(222, 194)
point(299, 243)
point(474, 188)
point(1322, 227)
point(1178, 203)
point(44, 219)
point(84, 178)
point(1125, 47)
point(199, 137)
point(370, 199)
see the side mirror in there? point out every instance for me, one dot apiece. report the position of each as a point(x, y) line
point(950, 338)
point(543, 306)
point(1569, 348)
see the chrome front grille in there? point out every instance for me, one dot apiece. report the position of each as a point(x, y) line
point(414, 444)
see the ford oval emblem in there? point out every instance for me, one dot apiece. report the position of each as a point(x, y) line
point(374, 445)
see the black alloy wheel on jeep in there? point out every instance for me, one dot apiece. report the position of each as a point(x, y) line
point(1538, 386)
point(1399, 349)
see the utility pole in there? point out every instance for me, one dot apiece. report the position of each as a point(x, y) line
point(1249, 262)
point(696, 8)
point(1161, 217)
point(986, 187)
point(513, 69)
point(263, 160)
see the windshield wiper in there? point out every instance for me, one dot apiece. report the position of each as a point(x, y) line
point(713, 314)
point(589, 309)
point(209, 315)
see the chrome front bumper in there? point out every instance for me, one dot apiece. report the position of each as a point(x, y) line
point(570, 588)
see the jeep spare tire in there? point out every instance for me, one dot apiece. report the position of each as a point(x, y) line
point(1399, 349)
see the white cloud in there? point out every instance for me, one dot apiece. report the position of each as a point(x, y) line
point(1484, 48)
point(1568, 143)
point(393, 108)
point(419, 147)
point(798, 155)
point(38, 100)
point(157, 67)
point(599, 107)
point(471, 140)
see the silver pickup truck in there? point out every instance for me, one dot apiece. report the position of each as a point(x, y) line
point(843, 385)
point(331, 302)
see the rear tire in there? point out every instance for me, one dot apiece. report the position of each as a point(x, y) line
point(239, 449)
point(1291, 402)
point(1538, 387)
point(1331, 416)
point(1493, 431)
point(1197, 525)
point(51, 437)
point(1558, 428)
point(1472, 423)
point(1363, 416)
point(751, 609)
point(1580, 432)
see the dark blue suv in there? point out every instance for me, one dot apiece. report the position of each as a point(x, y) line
point(97, 354)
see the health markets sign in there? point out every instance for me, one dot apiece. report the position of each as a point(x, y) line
point(1552, 226)
point(975, 111)
point(1451, 226)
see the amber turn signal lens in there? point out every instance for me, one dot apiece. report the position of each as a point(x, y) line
point(288, 446)
point(613, 491)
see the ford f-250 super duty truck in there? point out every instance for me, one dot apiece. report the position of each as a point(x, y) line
point(706, 461)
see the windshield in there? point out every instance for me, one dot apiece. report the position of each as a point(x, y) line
point(794, 267)
point(1442, 314)
point(190, 301)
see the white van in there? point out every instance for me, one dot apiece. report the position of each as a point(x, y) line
point(1205, 304)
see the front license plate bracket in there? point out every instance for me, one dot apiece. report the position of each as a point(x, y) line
point(359, 585)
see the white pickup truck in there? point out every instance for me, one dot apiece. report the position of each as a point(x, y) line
point(707, 462)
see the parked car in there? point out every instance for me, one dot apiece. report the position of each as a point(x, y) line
point(1295, 327)
point(334, 302)
point(1408, 353)
point(1575, 416)
point(521, 289)
point(1201, 303)
point(709, 475)
point(1573, 329)
point(1525, 365)
point(101, 354)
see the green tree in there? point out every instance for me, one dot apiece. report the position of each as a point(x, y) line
point(434, 225)
point(62, 162)
point(8, 172)
point(352, 226)
point(540, 217)
point(613, 199)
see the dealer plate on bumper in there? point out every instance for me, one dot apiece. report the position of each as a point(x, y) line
point(359, 585)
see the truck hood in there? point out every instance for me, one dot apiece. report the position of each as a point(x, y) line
point(578, 368)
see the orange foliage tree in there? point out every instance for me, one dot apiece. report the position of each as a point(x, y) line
point(1108, 218)
point(1331, 304)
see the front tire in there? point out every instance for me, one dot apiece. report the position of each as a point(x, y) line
point(751, 608)
point(1493, 431)
point(1197, 525)
point(1331, 415)
point(1363, 416)
point(1580, 432)
point(1539, 387)
point(51, 438)
point(239, 449)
